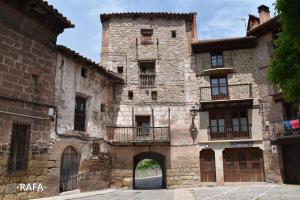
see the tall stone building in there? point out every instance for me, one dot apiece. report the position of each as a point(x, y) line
point(152, 119)
point(281, 142)
point(28, 32)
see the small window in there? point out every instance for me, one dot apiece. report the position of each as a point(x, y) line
point(84, 72)
point(130, 95)
point(80, 114)
point(35, 82)
point(96, 148)
point(217, 60)
point(146, 36)
point(120, 69)
point(19, 148)
point(173, 33)
point(102, 107)
point(154, 95)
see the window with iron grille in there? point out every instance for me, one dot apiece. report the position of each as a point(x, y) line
point(96, 148)
point(217, 60)
point(80, 109)
point(19, 148)
point(147, 73)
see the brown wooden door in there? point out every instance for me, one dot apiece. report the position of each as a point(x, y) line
point(291, 163)
point(207, 165)
point(69, 169)
point(243, 165)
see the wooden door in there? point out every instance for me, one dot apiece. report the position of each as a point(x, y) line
point(207, 165)
point(69, 170)
point(291, 163)
point(243, 165)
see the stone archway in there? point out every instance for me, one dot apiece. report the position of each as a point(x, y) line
point(159, 158)
point(69, 168)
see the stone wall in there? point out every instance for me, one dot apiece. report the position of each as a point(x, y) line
point(25, 50)
point(176, 89)
point(94, 171)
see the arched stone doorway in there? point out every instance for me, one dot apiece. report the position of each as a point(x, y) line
point(207, 165)
point(159, 158)
point(69, 168)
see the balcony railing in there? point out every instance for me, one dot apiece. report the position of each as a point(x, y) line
point(147, 79)
point(278, 130)
point(136, 134)
point(229, 132)
point(231, 92)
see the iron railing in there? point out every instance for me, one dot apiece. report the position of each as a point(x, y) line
point(229, 132)
point(230, 92)
point(137, 134)
point(206, 63)
point(278, 130)
point(147, 79)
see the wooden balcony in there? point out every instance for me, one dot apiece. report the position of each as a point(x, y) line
point(231, 92)
point(229, 132)
point(136, 135)
point(147, 79)
point(279, 131)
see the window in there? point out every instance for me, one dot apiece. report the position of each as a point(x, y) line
point(130, 95)
point(96, 148)
point(173, 33)
point(102, 107)
point(147, 73)
point(239, 121)
point(146, 36)
point(290, 111)
point(219, 89)
point(19, 148)
point(217, 60)
point(154, 95)
point(217, 123)
point(35, 82)
point(143, 125)
point(80, 109)
point(84, 72)
point(120, 69)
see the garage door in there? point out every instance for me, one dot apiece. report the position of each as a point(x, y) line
point(291, 160)
point(243, 165)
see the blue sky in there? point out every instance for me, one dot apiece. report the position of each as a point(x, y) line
point(215, 19)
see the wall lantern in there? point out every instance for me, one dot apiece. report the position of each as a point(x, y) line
point(194, 111)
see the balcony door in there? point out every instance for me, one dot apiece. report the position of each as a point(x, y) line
point(143, 126)
point(219, 88)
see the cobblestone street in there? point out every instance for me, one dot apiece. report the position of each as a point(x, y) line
point(245, 192)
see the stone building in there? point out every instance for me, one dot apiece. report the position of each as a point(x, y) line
point(152, 119)
point(79, 157)
point(281, 144)
point(28, 32)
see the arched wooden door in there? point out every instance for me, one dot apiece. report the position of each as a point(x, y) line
point(207, 165)
point(69, 169)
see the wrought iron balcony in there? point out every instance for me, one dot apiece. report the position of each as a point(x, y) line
point(278, 130)
point(147, 79)
point(139, 135)
point(230, 92)
point(232, 132)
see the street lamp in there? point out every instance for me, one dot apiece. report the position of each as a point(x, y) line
point(194, 111)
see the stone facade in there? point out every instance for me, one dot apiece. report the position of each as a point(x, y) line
point(175, 84)
point(94, 170)
point(26, 53)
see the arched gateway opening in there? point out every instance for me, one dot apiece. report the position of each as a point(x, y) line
point(154, 182)
point(69, 169)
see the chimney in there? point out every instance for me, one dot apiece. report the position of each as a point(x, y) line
point(264, 14)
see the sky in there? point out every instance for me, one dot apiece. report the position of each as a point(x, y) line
point(215, 18)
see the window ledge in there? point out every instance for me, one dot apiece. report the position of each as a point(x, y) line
point(217, 71)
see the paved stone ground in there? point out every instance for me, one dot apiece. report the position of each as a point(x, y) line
point(149, 183)
point(245, 192)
